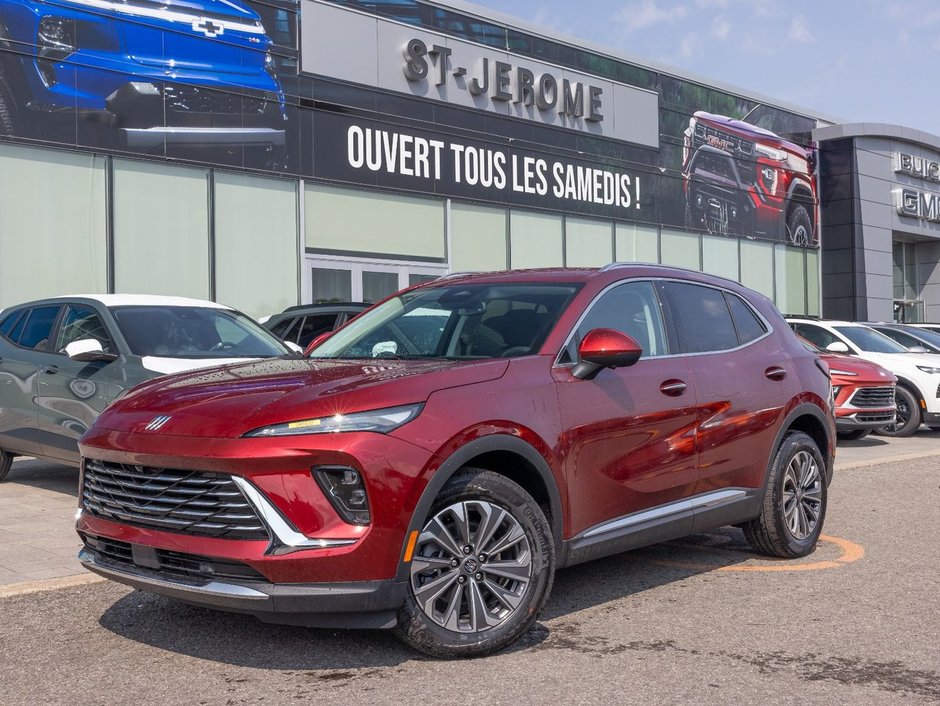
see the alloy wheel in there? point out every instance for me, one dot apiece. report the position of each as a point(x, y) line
point(902, 413)
point(802, 495)
point(471, 567)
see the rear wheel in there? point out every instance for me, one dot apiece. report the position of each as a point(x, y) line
point(6, 461)
point(853, 435)
point(482, 569)
point(794, 505)
point(907, 419)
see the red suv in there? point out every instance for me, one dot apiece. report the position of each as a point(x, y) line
point(440, 456)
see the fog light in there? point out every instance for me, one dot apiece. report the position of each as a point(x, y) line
point(699, 201)
point(346, 492)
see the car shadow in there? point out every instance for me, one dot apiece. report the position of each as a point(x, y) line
point(242, 640)
point(45, 475)
point(869, 442)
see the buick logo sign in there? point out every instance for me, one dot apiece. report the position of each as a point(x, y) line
point(208, 27)
point(157, 423)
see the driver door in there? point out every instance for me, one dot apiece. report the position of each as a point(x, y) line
point(73, 393)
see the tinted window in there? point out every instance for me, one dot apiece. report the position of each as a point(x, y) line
point(870, 340)
point(281, 328)
point(701, 317)
point(314, 326)
point(632, 308)
point(816, 335)
point(905, 339)
point(82, 323)
point(9, 323)
point(38, 327)
point(748, 326)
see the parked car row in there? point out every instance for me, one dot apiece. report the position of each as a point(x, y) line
point(910, 353)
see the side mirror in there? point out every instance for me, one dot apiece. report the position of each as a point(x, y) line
point(88, 350)
point(837, 347)
point(317, 341)
point(917, 349)
point(293, 347)
point(605, 348)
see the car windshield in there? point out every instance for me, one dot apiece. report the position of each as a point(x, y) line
point(459, 322)
point(194, 332)
point(870, 340)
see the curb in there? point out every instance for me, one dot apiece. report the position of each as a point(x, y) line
point(883, 460)
point(24, 587)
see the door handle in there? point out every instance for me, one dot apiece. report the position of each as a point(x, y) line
point(775, 372)
point(673, 388)
point(51, 369)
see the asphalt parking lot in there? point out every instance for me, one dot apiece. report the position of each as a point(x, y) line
point(699, 620)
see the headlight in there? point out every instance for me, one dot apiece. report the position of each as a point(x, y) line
point(269, 64)
point(928, 369)
point(378, 420)
point(776, 154)
point(846, 373)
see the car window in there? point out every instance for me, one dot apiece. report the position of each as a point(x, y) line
point(457, 321)
point(80, 323)
point(905, 339)
point(194, 332)
point(313, 326)
point(281, 328)
point(746, 322)
point(870, 340)
point(701, 317)
point(38, 327)
point(817, 335)
point(9, 323)
point(631, 308)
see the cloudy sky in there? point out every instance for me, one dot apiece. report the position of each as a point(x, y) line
point(856, 60)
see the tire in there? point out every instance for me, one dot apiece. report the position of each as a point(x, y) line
point(444, 619)
point(7, 106)
point(6, 461)
point(853, 435)
point(799, 225)
point(785, 527)
point(908, 414)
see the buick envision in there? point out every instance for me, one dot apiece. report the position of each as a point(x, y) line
point(436, 459)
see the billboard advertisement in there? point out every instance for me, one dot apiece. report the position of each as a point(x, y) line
point(403, 96)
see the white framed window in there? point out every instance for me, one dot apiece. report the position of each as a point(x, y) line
point(329, 278)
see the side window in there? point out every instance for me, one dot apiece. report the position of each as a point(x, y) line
point(314, 326)
point(632, 308)
point(702, 319)
point(38, 327)
point(81, 323)
point(816, 335)
point(282, 327)
point(746, 322)
point(904, 339)
point(8, 325)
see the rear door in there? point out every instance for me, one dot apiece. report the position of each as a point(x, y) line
point(73, 393)
point(629, 441)
point(23, 341)
point(742, 377)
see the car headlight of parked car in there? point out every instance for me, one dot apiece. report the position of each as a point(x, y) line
point(928, 369)
point(378, 420)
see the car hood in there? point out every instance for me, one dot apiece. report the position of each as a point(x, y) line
point(899, 363)
point(865, 370)
point(230, 401)
point(753, 131)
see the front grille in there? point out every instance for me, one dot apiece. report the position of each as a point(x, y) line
point(194, 99)
point(726, 141)
point(875, 417)
point(882, 396)
point(185, 566)
point(188, 502)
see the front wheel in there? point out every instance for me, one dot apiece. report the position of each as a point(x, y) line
point(800, 225)
point(6, 462)
point(907, 416)
point(482, 569)
point(794, 505)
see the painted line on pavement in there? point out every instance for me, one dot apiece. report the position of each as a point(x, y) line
point(24, 587)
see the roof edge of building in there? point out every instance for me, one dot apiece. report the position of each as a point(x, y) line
point(896, 132)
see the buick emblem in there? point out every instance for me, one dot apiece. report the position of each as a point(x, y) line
point(470, 565)
point(208, 27)
point(157, 423)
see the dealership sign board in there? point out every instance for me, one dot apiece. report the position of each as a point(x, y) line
point(351, 46)
point(916, 203)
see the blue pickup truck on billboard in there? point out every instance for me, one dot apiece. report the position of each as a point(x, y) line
point(173, 77)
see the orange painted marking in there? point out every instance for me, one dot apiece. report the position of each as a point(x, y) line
point(850, 552)
point(410, 549)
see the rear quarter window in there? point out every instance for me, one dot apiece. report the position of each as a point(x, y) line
point(8, 324)
point(746, 322)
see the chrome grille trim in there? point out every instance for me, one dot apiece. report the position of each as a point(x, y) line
point(187, 502)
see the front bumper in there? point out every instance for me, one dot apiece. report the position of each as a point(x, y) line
point(355, 604)
point(867, 419)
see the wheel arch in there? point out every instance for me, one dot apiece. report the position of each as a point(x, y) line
point(509, 456)
point(809, 419)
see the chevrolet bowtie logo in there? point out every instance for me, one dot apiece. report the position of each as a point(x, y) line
point(156, 423)
point(208, 27)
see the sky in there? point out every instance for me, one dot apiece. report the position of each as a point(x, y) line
point(853, 60)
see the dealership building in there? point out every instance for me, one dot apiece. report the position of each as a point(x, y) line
point(270, 153)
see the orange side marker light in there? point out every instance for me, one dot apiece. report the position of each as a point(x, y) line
point(410, 549)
